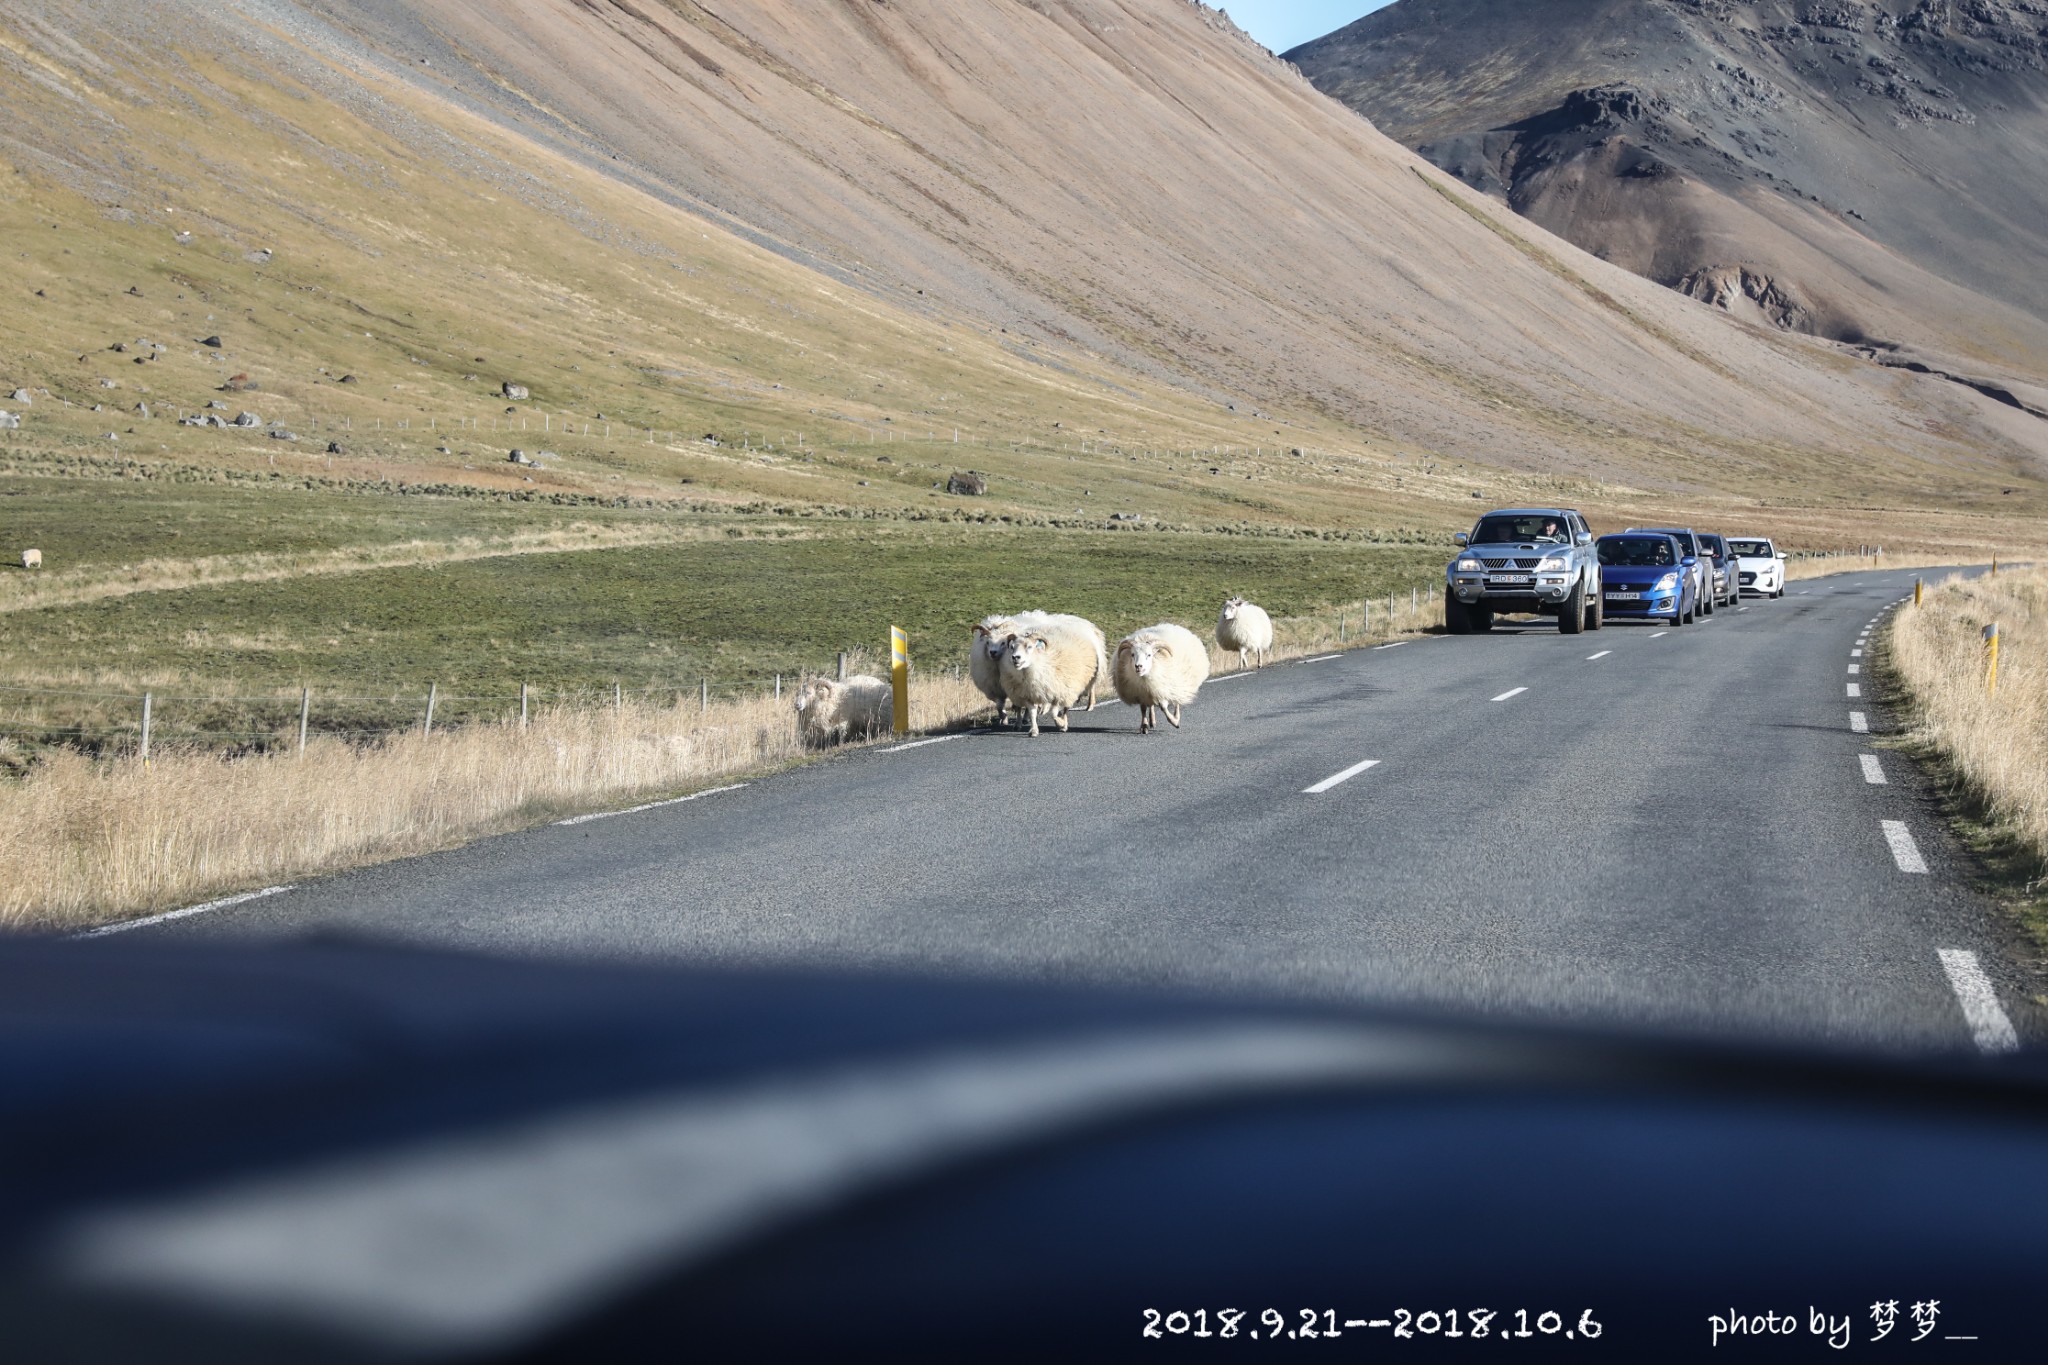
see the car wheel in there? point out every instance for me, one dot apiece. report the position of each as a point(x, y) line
point(1571, 617)
point(1456, 620)
point(1596, 611)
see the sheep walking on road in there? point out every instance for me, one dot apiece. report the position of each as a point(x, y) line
point(31, 559)
point(1158, 670)
point(1245, 628)
point(1051, 667)
point(829, 712)
point(985, 660)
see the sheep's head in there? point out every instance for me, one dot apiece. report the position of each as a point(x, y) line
point(1231, 607)
point(1024, 650)
point(817, 692)
point(991, 634)
point(1144, 655)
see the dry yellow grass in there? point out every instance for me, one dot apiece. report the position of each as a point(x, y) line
point(84, 843)
point(1998, 742)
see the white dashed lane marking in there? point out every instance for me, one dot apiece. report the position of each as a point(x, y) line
point(186, 913)
point(1601, 655)
point(1511, 694)
point(1872, 773)
point(916, 744)
point(1859, 723)
point(1322, 658)
point(1337, 778)
point(1856, 653)
point(656, 805)
point(1905, 852)
point(1990, 1029)
point(1658, 634)
point(1855, 668)
point(1854, 690)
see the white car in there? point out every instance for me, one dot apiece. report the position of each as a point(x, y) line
point(1759, 566)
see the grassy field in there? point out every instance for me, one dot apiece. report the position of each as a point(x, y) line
point(1993, 744)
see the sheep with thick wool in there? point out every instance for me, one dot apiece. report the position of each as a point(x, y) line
point(1050, 666)
point(828, 712)
point(1158, 670)
point(31, 559)
point(989, 640)
point(1245, 628)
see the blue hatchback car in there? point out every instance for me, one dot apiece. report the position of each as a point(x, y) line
point(1643, 573)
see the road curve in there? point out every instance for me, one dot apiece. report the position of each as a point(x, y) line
point(1655, 827)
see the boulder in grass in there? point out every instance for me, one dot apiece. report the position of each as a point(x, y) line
point(516, 392)
point(968, 483)
point(248, 419)
point(21, 396)
point(10, 421)
point(214, 342)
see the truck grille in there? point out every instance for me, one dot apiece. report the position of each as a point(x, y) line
point(1511, 563)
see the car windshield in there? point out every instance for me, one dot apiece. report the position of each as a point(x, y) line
point(1521, 530)
point(1751, 549)
point(1637, 552)
point(1712, 545)
point(1684, 538)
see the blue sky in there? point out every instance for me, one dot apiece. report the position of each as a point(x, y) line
point(1281, 24)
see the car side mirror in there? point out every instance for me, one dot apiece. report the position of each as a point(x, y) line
point(1461, 539)
point(1688, 561)
point(1585, 538)
point(1781, 554)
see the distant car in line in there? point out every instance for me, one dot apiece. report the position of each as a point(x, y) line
point(1529, 559)
point(1759, 566)
point(1696, 562)
point(1644, 574)
point(1725, 590)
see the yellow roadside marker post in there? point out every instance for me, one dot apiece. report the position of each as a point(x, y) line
point(1991, 659)
point(1916, 592)
point(899, 676)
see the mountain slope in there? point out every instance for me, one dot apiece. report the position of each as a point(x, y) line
point(1869, 170)
point(1116, 215)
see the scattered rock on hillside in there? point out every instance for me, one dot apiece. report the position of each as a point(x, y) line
point(10, 421)
point(516, 392)
point(142, 410)
point(283, 435)
point(248, 419)
point(518, 457)
point(21, 396)
point(334, 447)
point(968, 483)
point(348, 379)
point(213, 341)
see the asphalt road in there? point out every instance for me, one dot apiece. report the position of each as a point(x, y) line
point(1672, 828)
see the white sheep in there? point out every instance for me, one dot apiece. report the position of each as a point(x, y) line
point(1049, 668)
point(1158, 670)
point(1245, 628)
point(31, 559)
point(828, 711)
point(990, 634)
point(1093, 633)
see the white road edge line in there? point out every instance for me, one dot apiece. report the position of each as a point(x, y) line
point(1601, 655)
point(917, 744)
point(1905, 852)
point(1322, 658)
point(1859, 724)
point(1391, 644)
point(1872, 773)
point(651, 805)
point(1516, 692)
point(1345, 776)
point(1854, 690)
point(1658, 634)
point(1231, 677)
point(223, 903)
point(1989, 1027)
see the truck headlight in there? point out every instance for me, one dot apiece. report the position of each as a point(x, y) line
point(1554, 564)
point(1468, 566)
point(1667, 583)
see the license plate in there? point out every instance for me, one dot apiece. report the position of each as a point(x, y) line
point(1624, 597)
point(1509, 578)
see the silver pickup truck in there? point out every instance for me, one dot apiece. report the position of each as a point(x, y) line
point(1525, 560)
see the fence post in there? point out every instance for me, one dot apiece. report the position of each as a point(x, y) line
point(703, 694)
point(618, 698)
point(1364, 618)
point(522, 706)
point(842, 665)
point(899, 676)
point(1991, 659)
point(778, 687)
point(305, 714)
point(433, 695)
point(1916, 592)
point(1994, 566)
point(148, 701)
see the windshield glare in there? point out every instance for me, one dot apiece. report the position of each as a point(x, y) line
point(1751, 549)
point(1638, 552)
point(1520, 531)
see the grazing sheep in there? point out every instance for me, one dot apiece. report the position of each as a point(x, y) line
point(828, 712)
point(31, 559)
point(1158, 670)
point(1049, 668)
point(1245, 628)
